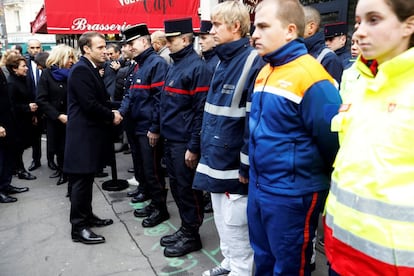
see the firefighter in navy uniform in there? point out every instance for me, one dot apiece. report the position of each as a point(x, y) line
point(182, 103)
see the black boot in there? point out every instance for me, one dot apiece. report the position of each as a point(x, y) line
point(158, 215)
point(144, 212)
point(188, 242)
point(133, 193)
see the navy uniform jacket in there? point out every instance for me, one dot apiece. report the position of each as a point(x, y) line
point(183, 97)
point(211, 58)
point(88, 132)
point(315, 44)
point(224, 149)
point(143, 99)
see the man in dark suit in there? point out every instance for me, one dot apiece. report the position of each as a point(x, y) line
point(88, 136)
point(34, 47)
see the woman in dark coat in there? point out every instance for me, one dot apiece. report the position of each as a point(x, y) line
point(52, 94)
point(24, 106)
point(7, 145)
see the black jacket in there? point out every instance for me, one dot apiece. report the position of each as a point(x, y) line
point(21, 97)
point(52, 96)
point(7, 119)
point(88, 132)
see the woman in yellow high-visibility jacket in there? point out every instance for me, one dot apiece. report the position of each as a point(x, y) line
point(369, 218)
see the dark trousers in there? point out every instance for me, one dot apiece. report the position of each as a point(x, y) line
point(188, 200)
point(148, 161)
point(37, 141)
point(129, 126)
point(281, 230)
point(6, 167)
point(56, 135)
point(18, 159)
point(81, 199)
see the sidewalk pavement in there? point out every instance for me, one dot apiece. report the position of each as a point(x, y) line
point(35, 234)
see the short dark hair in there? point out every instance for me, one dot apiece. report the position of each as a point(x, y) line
point(86, 40)
point(41, 58)
point(114, 46)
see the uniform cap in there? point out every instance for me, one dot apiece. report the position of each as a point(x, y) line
point(337, 29)
point(177, 27)
point(205, 27)
point(135, 32)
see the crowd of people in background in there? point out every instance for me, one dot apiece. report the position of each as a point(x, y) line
point(269, 123)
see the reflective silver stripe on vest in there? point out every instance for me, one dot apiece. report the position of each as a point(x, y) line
point(218, 174)
point(279, 92)
point(248, 106)
point(387, 255)
point(234, 111)
point(372, 206)
point(244, 159)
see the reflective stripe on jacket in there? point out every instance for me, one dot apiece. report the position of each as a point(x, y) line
point(370, 209)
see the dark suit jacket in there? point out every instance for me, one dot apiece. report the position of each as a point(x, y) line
point(88, 132)
point(7, 119)
point(30, 77)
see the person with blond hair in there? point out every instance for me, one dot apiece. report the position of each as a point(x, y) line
point(223, 167)
point(51, 99)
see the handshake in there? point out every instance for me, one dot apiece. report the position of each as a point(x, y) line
point(117, 117)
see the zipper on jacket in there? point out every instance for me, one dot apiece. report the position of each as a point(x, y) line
point(258, 120)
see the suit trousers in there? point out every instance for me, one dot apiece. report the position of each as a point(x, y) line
point(188, 200)
point(37, 141)
point(6, 167)
point(81, 199)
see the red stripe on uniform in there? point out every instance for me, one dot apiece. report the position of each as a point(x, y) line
point(147, 86)
point(346, 260)
point(306, 233)
point(186, 92)
point(140, 86)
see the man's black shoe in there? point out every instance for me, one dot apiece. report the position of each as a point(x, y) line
point(63, 178)
point(133, 193)
point(144, 212)
point(86, 236)
point(56, 174)
point(25, 175)
point(170, 240)
point(97, 222)
point(141, 197)
point(155, 218)
point(16, 190)
point(4, 198)
point(52, 165)
point(34, 165)
point(185, 245)
point(101, 174)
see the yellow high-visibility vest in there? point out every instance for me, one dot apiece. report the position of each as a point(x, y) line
point(370, 207)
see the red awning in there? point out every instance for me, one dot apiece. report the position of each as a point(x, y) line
point(110, 16)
